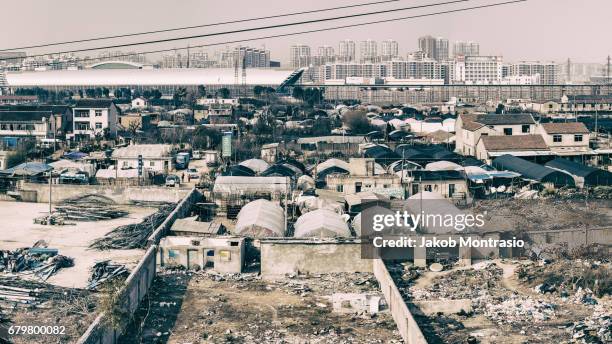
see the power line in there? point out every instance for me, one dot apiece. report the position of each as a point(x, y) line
point(275, 26)
point(202, 25)
point(465, 9)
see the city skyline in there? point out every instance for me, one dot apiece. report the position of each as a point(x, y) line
point(514, 42)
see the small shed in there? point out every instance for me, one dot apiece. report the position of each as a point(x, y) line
point(583, 175)
point(533, 171)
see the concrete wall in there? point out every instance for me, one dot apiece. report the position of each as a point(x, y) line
point(407, 326)
point(135, 289)
point(574, 237)
point(181, 211)
point(121, 195)
point(287, 256)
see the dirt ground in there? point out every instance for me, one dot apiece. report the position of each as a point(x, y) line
point(19, 230)
point(498, 297)
point(73, 309)
point(195, 308)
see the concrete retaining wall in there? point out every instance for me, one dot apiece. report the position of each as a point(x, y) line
point(120, 194)
point(287, 256)
point(135, 289)
point(179, 212)
point(573, 237)
point(407, 326)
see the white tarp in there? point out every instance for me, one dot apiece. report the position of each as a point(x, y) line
point(257, 165)
point(260, 219)
point(239, 184)
point(321, 223)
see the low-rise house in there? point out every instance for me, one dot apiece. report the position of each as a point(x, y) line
point(363, 176)
point(210, 101)
point(14, 100)
point(569, 138)
point(574, 104)
point(470, 127)
point(269, 152)
point(139, 103)
point(138, 121)
point(448, 184)
point(39, 121)
point(94, 117)
point(529, 146)
point(190, 227)
point(156, 158)
point(221, 254)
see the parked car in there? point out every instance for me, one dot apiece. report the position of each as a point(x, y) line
point(173, 181)
point(193, 173)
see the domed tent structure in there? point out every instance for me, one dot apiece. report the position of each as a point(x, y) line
point(239, 170)
point(321, 223)
point(260, 219)
point(256, 165)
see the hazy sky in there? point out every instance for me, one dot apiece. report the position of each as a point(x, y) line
point(536, 29)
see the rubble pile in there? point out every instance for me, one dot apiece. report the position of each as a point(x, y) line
point(105, 271)
point(566, 277)
point(89, 208)
point(543, 214)
point(41, 261)
point(518, 309)
point(133, 235)
point(461, 284)
point(596, 329)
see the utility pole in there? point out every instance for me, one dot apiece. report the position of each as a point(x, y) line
point(50, 193)
point(286, 202)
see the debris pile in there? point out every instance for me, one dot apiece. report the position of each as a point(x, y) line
point(89, 208)
point(42, 261)
point(519, 309)
point(105, 271)
point(133, 235)
point(596, 329)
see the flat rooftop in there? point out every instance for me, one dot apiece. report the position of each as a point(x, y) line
point(19, 230)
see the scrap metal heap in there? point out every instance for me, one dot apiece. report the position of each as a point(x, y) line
point(105, 271)
point(40, 260)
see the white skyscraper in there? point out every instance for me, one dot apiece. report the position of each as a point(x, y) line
point(300, 56)
point(435, 47)
point(389, 49)
point(466, 49)
point(368, 51)
point(346, 51)
point(325, 54)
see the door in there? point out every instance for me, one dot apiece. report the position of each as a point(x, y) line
point(192, 259)
point(451, 190)
point(357, 187)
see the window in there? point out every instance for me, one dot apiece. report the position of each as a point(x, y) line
point(557, 138)
point(508, 131)
point(81, 113)
point(81, 126)
point(427, 187)
point(98, 113)
point(340, 188)
point(98, 125)
point(525, 128)
point(577, 138)
point(451, 190)
point(152, 163)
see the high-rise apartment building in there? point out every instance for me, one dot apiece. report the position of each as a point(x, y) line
point(461, 48)
point(346, 51)
point(435, 47)
point(389, 49)
point(325, 54)
point(368, 51)
point(550, 72)
point(479, 69)
point(300, 56)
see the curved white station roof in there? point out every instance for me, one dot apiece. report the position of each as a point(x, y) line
point(321, 223)
point(121, 77)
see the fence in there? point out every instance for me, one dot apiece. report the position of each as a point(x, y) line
point(139, 281)
point(134, 290)
point(407, 326)
point(181, 210)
